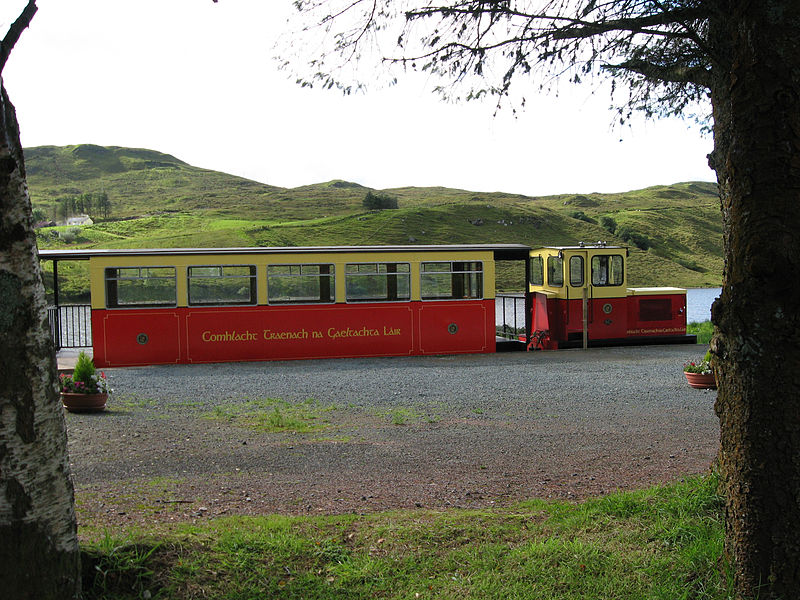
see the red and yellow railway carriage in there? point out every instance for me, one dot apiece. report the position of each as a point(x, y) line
point(238, 304)
point(199, 305)
point(579, 296)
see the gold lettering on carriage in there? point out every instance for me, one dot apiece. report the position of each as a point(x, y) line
point(302, 334)
point(230, 336)
point(349, 332)
point(335, 333)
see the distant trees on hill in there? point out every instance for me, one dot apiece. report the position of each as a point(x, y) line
point(379, 201)
point(582, 216)
point(626, 234)
point(92, 204)
point(639, 240)
point(608, 223)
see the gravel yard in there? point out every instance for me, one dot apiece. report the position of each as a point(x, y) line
point(186, 442)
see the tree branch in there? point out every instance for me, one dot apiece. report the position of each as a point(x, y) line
point(576, 28)
point(15, 31)
point(647, 24)
point(674, 73)
point(647, 43)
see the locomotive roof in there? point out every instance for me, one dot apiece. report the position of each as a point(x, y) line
point(596, 246)
point(501, 251)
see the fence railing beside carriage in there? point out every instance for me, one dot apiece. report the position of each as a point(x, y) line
point(70, 325)
point(510, 316)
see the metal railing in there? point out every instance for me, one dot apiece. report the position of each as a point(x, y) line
point(510, 316)
point(70, 325)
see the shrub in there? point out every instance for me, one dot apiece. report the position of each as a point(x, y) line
point(691, 265)
point(84, 378)
point(640, 241)
point(70, 235)
point(609, 224)
point(582, 216)
point(379, 201)
point(84, 368)
point(637, 239)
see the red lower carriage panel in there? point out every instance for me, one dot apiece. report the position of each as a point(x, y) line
point(558, 323)
point(199, 335)
point(657, 315)
point(456, 327)
point(136, 337)
point(299, 332)
point(562, 320)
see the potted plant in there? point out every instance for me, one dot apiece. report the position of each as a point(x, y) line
point(700, 374)
point(86, 389)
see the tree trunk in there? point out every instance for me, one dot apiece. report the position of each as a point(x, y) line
point(756, 100)
point(39, 555)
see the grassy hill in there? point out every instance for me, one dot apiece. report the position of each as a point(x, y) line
point(158, 200)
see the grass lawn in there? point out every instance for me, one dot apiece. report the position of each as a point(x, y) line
point(659, 543)
point(703, 331)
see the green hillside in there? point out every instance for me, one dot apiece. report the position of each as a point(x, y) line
point(158, 200)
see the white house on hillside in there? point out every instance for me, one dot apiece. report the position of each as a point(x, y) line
point(80, 220)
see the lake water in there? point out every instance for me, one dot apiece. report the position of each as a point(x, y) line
point(698, 307)
point(698, 303)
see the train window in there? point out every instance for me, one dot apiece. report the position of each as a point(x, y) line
point(377, 282)
point(537, 270)
point(300, 284)
point(607, 270)
point(222, 284)
point(555, 271)
point(451, 280)
point(576, 271)
point(131, 287)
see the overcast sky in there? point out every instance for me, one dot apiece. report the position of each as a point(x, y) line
point(197, 80)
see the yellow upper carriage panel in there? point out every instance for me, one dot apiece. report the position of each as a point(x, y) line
point(564, 272)
point(169, 278)
point(165, 278)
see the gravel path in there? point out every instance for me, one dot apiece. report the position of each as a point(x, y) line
point(195, 441)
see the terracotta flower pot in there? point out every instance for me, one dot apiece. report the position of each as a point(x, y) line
point(84, 402)
point(701, 381)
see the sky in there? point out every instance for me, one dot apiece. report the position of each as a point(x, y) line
point(198, 80)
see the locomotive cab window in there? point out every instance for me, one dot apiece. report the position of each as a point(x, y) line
point(377, 282)
point(300, 284)
point(607, 270)
point(222, 284)
point(537, 270)
point(132, 287)
point(576, 271)
point(451, 280)
point(555, 271)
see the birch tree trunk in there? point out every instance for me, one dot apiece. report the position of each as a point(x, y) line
point(756, 98)
point(39, 556)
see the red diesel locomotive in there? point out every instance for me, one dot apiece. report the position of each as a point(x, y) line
point(580, 297)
